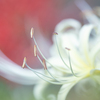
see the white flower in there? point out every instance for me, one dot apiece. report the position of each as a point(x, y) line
point(75, 56)
point(70, 65)
point(83, 55)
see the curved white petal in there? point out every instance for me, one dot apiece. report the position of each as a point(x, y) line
point(15, 73)
point(38, 90)
point(61, 68)
point(66, 23)
point(63, 92)
point(84, 39)
point(74, 53)
point(61, 29)
point(94, 52)
point(58, 64)
point(68, 39)
point(95, 73)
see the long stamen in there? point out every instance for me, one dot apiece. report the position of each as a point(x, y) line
point(24, 63)
point(51, 79)
point(45, 68)
point(33, 69)
point(59, 50)
point(43, 75)
point(70, 63)
point(43, 63)
point(36, 72)
point(62, 58)
point(41, 52)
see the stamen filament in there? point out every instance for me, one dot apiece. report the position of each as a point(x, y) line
point(71, 65)
point(47, 69)
point(43, 75)
point(63, 59)
point(60, 53)
point(47, 78)
point(34, 71)
point(41, 53)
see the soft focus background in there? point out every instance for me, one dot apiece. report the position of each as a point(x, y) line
point(16, 19)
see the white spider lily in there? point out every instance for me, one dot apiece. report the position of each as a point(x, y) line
point(69, 66)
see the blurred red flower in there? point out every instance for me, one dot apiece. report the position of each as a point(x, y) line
point(18, 16)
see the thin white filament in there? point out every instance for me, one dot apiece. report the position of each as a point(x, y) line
point(59, 52)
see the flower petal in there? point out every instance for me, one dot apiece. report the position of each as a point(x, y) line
point(60, 68)
point(58, 64)
point(84, 39)
point(64, 28)
point(94, 52)
point(67, 23)
point(38, 90)
point(15, 73)
point(74, 52)
point(69, 40)
point(64, 90)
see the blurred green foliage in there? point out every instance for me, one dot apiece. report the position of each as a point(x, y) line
point(11, 91)
point(5, 91)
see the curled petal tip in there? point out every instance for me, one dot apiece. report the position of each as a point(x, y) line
point(32, 32)
point(24, 62)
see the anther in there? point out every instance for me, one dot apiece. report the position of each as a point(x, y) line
point(35, 51)
point(32, 32)
point(55, 33)
point(44, 64)
point(24, 62)
point(67, 49)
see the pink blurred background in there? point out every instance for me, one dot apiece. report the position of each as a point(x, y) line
point(18, 16)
